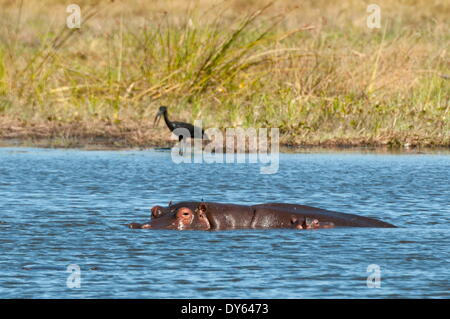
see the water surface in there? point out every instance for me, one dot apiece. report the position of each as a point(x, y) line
point(63, 207)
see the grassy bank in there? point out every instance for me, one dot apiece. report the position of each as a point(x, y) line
point(311, 68)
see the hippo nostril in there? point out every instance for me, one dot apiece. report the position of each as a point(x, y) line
point(186, 214)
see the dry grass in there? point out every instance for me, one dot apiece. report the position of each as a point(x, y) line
point(311, 68)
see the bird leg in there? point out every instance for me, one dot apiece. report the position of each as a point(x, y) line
point(181, 142)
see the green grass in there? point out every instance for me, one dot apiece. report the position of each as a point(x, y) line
point(322, 76)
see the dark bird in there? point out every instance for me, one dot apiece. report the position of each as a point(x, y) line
point(194, 131)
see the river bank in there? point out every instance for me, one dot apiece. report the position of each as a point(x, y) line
point(316, 72)
point(142, 134)
point(158, 140)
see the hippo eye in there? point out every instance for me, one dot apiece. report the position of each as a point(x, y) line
point(186, 214)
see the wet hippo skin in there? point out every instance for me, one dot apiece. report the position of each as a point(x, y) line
point(220, 216)
point(339, 219)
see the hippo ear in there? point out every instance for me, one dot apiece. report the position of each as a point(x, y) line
point(202, 207)
point(304, 224)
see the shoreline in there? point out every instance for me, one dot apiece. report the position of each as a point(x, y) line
point(114, 144)
point(139, 134)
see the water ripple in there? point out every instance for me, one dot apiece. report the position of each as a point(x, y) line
point(69, 207)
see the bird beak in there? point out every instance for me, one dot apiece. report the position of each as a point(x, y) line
point(157, 119)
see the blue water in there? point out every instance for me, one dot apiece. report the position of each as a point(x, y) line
point(63, 207)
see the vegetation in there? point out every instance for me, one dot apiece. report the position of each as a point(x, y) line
point(312, 68)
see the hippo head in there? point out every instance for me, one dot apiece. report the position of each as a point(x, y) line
point(182, 218)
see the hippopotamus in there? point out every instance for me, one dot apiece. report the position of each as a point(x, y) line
point(218, 216)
